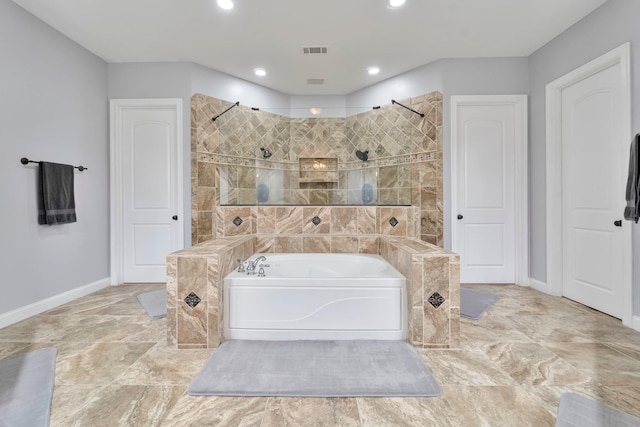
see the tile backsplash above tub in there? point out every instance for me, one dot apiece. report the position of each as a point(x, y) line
point(317, 228)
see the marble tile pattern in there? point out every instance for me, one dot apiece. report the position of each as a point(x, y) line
point(404, 167)
point(428, 269)
point(359, 222)
point(200, 270)
point(511, 368)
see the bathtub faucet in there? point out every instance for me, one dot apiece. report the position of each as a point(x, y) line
point(251, 268)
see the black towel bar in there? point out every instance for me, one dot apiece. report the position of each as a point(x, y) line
point(26, 161)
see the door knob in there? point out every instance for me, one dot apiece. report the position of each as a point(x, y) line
point(618, 223)
point(175, 217)
point(460, 216)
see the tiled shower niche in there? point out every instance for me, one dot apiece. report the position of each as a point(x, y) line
point(404, 166)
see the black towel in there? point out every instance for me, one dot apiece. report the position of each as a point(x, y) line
point(57, 204)
point(632, 194)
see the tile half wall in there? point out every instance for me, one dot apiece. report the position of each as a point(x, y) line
point(195, 283)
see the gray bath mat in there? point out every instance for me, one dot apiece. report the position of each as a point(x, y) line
point(26, 388)
point(578, 411)
point(315, 369)
point(473, 303)
point(154, 303)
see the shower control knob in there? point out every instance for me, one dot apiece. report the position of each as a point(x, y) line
point(175, 217)
point(460, 216)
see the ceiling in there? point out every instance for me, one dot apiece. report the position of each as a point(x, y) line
point(271, 34)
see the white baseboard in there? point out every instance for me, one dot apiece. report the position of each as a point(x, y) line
point(538, 285)
point(41, 306)
point(636, 323)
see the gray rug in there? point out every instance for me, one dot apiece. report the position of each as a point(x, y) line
point(473, 302)
point(154, 303)
point(26, 388)
point(578, 411)
point(315, 369)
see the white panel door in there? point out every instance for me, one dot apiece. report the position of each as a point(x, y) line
point(484, 217)
point(150, 192)
point(593, 191)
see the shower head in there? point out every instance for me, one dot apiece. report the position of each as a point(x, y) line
point(265, 153)
point(362, 155)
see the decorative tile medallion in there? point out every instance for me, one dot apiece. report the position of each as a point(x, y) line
point(393, 221)
point(237, 221)
point(436, 300)
point(316, 220)
point(192, 300)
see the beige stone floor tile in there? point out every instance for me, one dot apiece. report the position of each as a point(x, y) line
point(84, 363)
point(288, 411)
point(107, 297)
point(42, 328)
point(487, 329)
point(85, 304)
point(493, 406)
point(116, 329)
point(623, 398)
point(113, 405)
point(166, 366)
point(464, 367)
point(608, 331)
point(216, 411)
point(632, 351)
point(129, 306)
point(94, 363)
point(400, 412)
point(602, 363)
point(548, 329)
point(533, 364)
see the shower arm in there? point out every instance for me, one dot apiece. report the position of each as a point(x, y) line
point(234, 105)
point(393, 101)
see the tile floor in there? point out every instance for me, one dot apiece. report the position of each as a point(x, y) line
point(115, 369)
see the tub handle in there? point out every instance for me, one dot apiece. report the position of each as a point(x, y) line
point(261, 272)
point(241, 266)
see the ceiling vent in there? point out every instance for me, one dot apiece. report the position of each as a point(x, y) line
point(315, 81)
point(314, 50)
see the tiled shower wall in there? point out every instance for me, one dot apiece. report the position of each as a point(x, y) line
point(405, 159)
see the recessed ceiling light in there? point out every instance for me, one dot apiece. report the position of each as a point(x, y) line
point(395, 3)
point(261, 72)
point(315, 110)
point(227, 4)
point(373, 70)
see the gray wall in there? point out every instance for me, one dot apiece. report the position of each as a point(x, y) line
point(52, 107)
point(609, 26)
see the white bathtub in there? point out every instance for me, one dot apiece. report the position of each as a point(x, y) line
point(316, 296)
